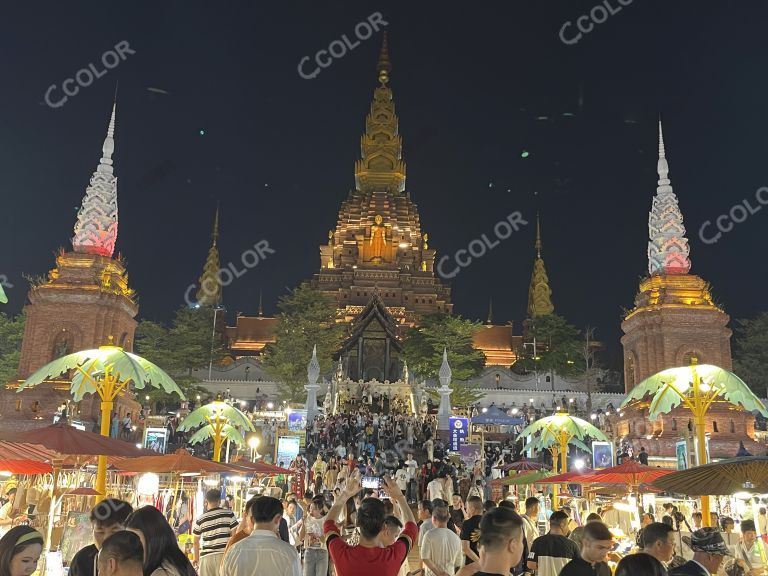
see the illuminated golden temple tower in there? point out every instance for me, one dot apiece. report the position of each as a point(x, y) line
point(539, 292)
point(378, 245)
point(673, 319)
point(83, 303)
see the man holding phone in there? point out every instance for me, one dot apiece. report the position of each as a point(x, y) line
point(368, 556)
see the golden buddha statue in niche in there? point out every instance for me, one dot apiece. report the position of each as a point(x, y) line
point(378, 238)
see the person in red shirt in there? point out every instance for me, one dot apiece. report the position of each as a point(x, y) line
point(368, 557)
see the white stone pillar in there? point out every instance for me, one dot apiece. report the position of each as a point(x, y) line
point(313, 373)
point(444, 411)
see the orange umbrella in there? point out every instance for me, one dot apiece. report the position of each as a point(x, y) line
point(25, 467)
point(25, 451)
point(572, 477)
point(181, 462)
point(262, 468)
point(630, 472)
point(68, 440)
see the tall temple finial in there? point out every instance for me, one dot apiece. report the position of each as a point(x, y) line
point(538, 237)
point(215, 234)
point(539, 292)
point(381, 148)
point(668, 250)
point(209, 291)
point(261, 310)
point(96, 227)
point(384, 66)
point(489, 320)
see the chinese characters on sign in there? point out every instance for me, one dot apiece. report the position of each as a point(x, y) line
point(458, 428)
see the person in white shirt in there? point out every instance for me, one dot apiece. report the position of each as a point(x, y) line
point(311, 534)
point(341, 451)
point(7, 520)
point(425, 517)
point(411, 467)
point(440, 550)
point(435, 490)
point(401, 477)
point(429, 446)
point(294, 524)
point(263, 552)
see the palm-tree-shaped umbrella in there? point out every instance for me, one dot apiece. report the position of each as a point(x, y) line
point(222, 419)
point(106, 371)
point(696, 387)
point(228, 432)
point(556, 432)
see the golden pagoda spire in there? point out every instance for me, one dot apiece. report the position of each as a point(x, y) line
point(261, 310)
point(489, 320)
point(539, 293)
point(209, 292)
point(381, 147)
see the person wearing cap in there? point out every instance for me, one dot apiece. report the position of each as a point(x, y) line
point(709, 550)
point(596, 542)
point(751, 550)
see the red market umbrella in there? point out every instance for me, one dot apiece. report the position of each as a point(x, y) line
point(262, 468)
point(180, 462)
point(25, 466)
point(69, 441)
point(25, 451)
point(572, 477)
point(523, 466)
point(630, 472)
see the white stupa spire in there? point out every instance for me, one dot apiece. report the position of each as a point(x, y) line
point(96, 227)
point(667, 247)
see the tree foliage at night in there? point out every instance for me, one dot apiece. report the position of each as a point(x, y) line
point(179, 349)
point(11, 334)
point(424, 347)
point(750, 353)
point(306, 319)
point(559, 347)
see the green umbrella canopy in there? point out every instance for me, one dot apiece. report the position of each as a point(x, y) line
point(228, 433)
point(91, 364)
point(550, 426)
point(214, 410)
point(522, 479)
point(667, 386)
point(547, 439)
point(3, 297)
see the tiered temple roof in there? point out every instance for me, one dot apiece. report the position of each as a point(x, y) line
point(378, 242)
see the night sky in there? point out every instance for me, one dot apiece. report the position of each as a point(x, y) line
point(211, 108)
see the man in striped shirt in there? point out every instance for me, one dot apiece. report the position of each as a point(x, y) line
point(213, 528)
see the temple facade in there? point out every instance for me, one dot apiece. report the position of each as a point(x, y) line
point(378, 244)
point(675, 318)
point(85, 302)
point(378, 266)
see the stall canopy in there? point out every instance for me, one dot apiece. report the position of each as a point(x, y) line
point(726, 477)
point(262, 468)
point(631, 473)
point(522, 479)
point(180, 462)
point(24, 467)
point(497, 416)
point(68, 440)
point(523, 466)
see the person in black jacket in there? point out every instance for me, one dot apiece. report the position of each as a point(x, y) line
point(107, 517)
point(709, 550)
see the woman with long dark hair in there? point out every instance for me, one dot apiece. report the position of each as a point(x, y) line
point(162, 555)
point(20, 550)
